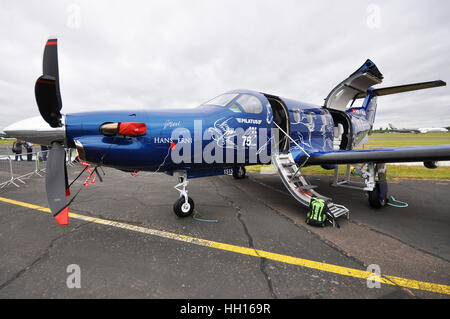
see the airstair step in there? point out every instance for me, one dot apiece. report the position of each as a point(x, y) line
point(290, 174)
point(338, 210)
point(288, 164)
point(300, 188)
point(308, 187)
point(283, 155)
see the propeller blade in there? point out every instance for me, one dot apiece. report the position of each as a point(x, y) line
point(56, 183)
point(46, 90)
point(66, 179)
point(50, 61)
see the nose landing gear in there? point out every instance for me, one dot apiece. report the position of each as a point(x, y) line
point(239, 172)
point(183, 206)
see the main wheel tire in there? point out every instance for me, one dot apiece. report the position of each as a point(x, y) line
point(183, 209)
point(378, 197)
point(239, 172)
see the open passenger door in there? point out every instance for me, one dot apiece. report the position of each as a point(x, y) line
point(354, 86)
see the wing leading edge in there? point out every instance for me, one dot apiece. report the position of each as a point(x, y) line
point(384, 155)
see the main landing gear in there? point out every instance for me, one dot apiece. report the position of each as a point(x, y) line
point(378, 196)
point(375, 184)
point(183, 206)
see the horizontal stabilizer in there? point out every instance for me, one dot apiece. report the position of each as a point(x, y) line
point(403, 88)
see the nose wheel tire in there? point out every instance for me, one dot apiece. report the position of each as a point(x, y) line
point(183, 209)
point(239, 172)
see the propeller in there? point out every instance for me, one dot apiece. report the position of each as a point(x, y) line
point(48, 99)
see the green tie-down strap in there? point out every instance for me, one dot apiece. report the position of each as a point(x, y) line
point(316, 215)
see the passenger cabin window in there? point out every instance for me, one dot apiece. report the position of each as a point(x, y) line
point(296, 115)
point(250, 103)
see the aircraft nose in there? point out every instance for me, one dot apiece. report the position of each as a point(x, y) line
point(36, 130)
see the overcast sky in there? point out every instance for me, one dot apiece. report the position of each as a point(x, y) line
point(160, 54)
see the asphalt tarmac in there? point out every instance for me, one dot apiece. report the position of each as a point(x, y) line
point(247, 239)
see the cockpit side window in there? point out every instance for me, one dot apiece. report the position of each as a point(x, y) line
point(235, 108)
point(250, 103)
point(222, 100)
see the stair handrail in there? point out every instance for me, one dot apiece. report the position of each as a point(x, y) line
point(293, 141)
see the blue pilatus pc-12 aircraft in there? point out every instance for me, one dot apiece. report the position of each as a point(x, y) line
point(222, 136)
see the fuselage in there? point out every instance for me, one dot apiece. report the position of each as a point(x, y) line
point(239, 131)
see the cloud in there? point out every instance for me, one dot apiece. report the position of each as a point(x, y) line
point(158, 54)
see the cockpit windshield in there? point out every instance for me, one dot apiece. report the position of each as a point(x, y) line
point(222, 100)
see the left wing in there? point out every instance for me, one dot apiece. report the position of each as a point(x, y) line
point(384, 155)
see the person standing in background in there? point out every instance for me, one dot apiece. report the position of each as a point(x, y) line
point(44, 151)
point(29, 148)
point(17, 149)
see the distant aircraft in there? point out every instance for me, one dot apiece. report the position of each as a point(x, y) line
point(417, 130)
point(222, 136)
point(2, 137)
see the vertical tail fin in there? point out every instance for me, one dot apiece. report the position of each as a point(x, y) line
point(370, 106)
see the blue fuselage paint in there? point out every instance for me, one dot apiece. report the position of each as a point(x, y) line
point(201, 128)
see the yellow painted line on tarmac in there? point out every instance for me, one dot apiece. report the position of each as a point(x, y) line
point(345, 271)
